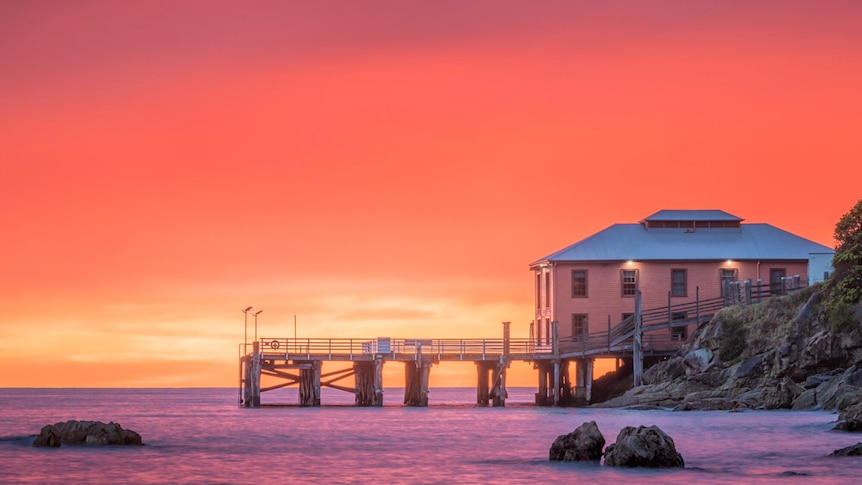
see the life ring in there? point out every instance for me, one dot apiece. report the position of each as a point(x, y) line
point(274, 344)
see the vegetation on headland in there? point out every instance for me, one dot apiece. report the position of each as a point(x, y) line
point(844, 288)
point(799, 351)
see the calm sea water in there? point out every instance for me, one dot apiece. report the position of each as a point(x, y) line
point(201, 436)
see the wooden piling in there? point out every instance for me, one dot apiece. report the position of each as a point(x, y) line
point(246, 363)
point(498, 390)
point(378, 381)
point(544, 370)
point(255, 376)
point(483, 382)
point(416, 383)
point(369, 382)
point(555, 336)
point(565, 386)
point(583, 381)
point(637, 349)
point(309, 384)
point(364, 383)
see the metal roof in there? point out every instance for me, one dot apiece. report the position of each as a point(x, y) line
point(692, 215)
point(622, 242)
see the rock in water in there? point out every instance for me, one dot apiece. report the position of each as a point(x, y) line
point(86, 433)
point(855, 450)
point(643, 447)
point(850, 419)
point(583, 444)
point(48, 438)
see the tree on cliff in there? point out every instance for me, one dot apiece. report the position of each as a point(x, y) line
point(844, 287)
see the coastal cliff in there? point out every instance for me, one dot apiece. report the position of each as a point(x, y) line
point(782, 353)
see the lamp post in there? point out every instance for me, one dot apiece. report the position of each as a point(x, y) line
point(245, 339)
point(255, 323)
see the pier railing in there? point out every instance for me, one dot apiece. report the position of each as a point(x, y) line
point(619, 337)
point(355, 348)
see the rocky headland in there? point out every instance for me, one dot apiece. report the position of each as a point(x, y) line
point(777, 354)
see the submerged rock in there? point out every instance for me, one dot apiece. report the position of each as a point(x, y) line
point(643, 447)
point(583, 444)
point(94, 433)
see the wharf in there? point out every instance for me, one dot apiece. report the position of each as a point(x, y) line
point(299, 362)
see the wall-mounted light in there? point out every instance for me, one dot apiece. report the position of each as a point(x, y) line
point(630, 262)
point(729, 262)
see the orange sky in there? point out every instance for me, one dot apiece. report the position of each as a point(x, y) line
point(381, 167)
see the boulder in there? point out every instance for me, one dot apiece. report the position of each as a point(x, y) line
point(812, 382)
point(698, 361)
point(749, 367)
point(841, 391)
point(806, 400)
point(643, 447)
point(779, 394)
point(855, 450)
point(48, 438)
point(850, 419)
point(583, 444)
point(94, 433)
point(665, 371)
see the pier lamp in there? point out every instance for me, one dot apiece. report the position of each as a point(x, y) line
point(255, 323)
point(245, 339)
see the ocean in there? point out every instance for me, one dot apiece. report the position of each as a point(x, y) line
point(202, 436)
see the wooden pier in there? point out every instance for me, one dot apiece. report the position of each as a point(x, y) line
point(299, 362)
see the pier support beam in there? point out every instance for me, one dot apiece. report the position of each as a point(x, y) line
point(416, 383)
point(498, 381)
point(245, 370)
point(499, 392)
point(483, 383)
point(542, 393)
point(491, 382)
point(554, 385)
point(251, 386)
point(309, 384)
point(637, 347)
point(583, 381)
point(369, 383)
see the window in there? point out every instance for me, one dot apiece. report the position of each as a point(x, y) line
point(538, 290)
point(629, 279)
point(776, 279)
point(728, 275)
point(579, 283)
point(548, 331)
point(548, 289)
point(579, 325)
point(679, 334)
point(678, 285)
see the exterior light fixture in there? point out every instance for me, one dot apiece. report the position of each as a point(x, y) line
point(255, 323)
point(245, 340)
point(630, 262)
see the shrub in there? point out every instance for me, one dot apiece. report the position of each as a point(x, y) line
point(732, 339)
point(844, 287)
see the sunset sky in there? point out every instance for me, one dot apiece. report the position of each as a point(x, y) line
point(379, 168)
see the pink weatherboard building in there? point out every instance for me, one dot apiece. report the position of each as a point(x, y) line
point(672, 257)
